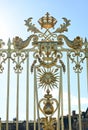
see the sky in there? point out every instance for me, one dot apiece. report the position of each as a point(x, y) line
point(12, 16)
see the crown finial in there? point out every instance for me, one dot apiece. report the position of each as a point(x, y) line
point(47, 21)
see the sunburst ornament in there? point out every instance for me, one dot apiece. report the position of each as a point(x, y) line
point(48, 79)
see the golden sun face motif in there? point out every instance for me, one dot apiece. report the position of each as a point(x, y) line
point(48, 78)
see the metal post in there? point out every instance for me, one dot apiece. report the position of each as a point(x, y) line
point(8, 85)
point(17, 99)
point(37, 100)
point(59, 100)
point(34, 99)
point(79, 103)
point(69, 94)
point(87, 72)
point(62, 124)
point(0, 124)
point(27, 93)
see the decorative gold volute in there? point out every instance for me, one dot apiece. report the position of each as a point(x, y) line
point(47, 38)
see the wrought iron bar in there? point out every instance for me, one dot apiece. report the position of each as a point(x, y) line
point(69, 94)
point(0, 124)
point(87, 72)
point(8, 85)
point(62, 124)
point(34, 99)
point(79, 103)
point(17, 98)
point(59, 100)
point(27, 93)
point(36, 91)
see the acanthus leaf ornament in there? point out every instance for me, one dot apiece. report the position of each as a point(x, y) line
point(31, 27)
point(63, 27)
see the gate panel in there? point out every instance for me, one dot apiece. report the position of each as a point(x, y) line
point(38, 82)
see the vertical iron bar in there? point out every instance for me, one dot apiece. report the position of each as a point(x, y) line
point(8, 86)
point(62, 124)
point(87, 72)
point(69, 94)
point(34, 99)
point(17, 98)
point(37, 100)
point(0, 124)
point(58, 115)
point(79, 104)
point(27, 93)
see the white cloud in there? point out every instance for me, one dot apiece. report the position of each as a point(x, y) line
point(74, 102)
point(74, 99)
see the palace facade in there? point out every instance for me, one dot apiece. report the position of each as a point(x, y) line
point(74, 123)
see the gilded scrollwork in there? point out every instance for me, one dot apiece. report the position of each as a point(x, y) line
point(18, 58)
point(48, 123)
point(47, 47)
point(18, 43)
point(77, 58)
point(3, 58)
point(77, 43)
point(48, 54)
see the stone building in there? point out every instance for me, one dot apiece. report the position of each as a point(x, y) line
point(74, 123)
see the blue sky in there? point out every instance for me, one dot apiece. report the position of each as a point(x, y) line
point(14, 12)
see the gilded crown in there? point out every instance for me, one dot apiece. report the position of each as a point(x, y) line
point(47, 21)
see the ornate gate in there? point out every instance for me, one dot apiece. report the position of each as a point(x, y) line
point(38, 70)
